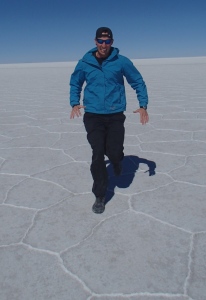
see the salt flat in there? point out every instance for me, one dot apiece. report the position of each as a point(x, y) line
point(150, 242)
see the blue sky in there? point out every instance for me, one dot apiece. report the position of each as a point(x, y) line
point(63, 30)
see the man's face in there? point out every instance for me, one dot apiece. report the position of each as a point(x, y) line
point(103, 49)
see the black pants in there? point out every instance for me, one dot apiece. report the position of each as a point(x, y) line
point(105, 133)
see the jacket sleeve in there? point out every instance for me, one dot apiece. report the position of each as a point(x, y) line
point(76, 82)
point(134, 78)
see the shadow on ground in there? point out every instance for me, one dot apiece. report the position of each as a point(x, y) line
point(130, 165)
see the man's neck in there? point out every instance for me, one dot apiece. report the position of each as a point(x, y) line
point(99, 56)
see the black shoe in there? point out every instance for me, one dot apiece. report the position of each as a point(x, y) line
point(99, 205)
point(117, 169)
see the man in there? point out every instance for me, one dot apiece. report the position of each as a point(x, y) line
point(103, 69)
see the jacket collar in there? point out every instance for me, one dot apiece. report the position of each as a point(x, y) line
point(89, 58)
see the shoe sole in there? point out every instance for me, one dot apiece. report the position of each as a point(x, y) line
point(98, 211)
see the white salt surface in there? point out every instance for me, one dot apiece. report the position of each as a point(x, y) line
point(150, 242)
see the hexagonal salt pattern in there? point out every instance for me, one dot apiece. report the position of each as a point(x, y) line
point(74, 176)
point(14, 223)
point(31, 274)
point(193, 171)
point(149, 244)
point(39, 140)
point(179, 204)
point(122, 251)
point(69, 222)
point(36, 193)
point(31, 160)
point(7, 182)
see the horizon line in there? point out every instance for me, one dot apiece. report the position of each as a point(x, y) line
point(75, 61)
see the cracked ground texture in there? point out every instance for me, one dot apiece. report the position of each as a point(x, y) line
point(150, 242)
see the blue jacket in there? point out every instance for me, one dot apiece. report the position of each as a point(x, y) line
point(104, 92)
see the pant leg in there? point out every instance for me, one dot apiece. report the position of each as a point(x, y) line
point(115, 138)
point(96, 134)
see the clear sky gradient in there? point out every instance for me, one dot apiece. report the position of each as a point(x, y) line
point(63, 30)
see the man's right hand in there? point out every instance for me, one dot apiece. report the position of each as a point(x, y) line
point(76, 111)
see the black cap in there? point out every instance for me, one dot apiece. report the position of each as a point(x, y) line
point(104, 31)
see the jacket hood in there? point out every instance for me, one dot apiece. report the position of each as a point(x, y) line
point(89, 58)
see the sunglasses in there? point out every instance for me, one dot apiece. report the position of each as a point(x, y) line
point(107, 42)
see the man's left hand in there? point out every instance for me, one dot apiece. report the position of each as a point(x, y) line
point(144, 117)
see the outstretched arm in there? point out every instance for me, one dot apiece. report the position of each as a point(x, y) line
point(134, 78)
point(76, 82)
